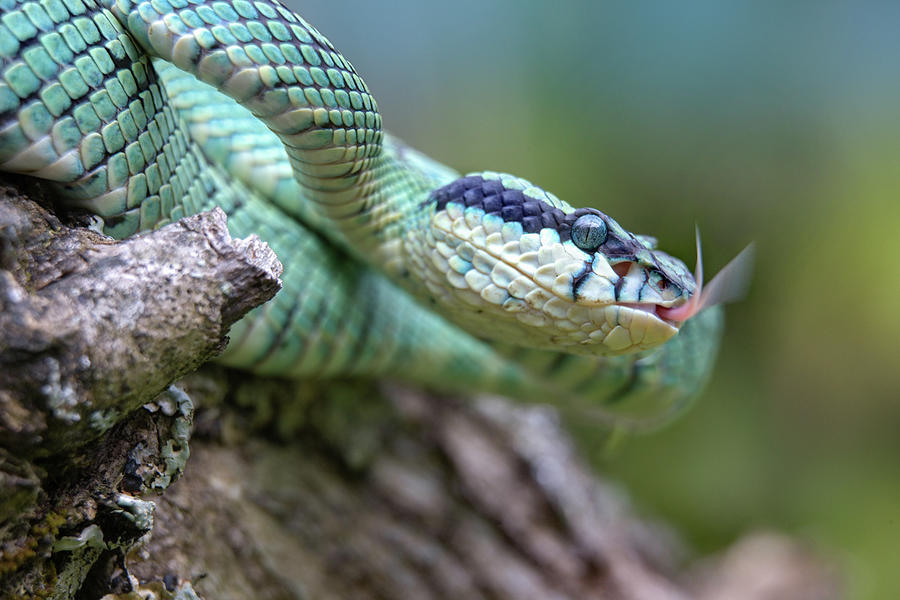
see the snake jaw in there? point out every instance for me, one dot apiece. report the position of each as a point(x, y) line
point(641, 294)
point(657, 329)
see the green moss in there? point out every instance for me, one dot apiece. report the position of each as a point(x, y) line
point(41, 531)
point(176, 451)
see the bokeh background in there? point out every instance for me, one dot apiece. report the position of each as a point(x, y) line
point(775, 121)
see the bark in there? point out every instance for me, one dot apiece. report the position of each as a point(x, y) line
point(349, 489)
point(92, 329)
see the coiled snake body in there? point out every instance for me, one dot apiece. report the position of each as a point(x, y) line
point(144, 112)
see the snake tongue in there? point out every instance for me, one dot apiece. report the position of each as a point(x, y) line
point(728, 285)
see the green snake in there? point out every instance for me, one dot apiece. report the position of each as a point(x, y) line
point(144, 112)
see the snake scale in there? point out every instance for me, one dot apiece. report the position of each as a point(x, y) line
point(142, 112)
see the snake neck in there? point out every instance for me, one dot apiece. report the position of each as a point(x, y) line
point(398, 207)
point(357, 181)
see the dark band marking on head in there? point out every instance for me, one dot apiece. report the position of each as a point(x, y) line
point(513, 206)
point(510, 205)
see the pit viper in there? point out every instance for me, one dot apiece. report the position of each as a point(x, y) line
point(142, 112)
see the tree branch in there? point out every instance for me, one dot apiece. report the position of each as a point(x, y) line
point(92, 328)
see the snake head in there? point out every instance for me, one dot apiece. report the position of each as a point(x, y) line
point(511, 262)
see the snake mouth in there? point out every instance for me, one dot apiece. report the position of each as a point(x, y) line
point(629, 327)
point(659, 303)
point(656, 311)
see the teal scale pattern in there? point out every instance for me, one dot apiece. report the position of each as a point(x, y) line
point(290, 77)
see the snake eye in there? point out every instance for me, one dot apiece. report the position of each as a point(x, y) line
point(588, 232)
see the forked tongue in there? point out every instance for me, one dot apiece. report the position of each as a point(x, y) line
point(729, 284)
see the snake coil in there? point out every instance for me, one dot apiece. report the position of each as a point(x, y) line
point(144, 112)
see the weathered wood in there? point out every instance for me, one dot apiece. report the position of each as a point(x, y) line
point(90, 328)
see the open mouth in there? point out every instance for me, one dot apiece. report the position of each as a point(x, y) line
point(655, 310)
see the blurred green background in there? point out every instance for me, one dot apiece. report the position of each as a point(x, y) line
point(772, 121)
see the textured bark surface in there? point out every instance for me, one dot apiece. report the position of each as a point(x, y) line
point(292, 489)
point(395, 493)
point(91, 329)
point(91, 332)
